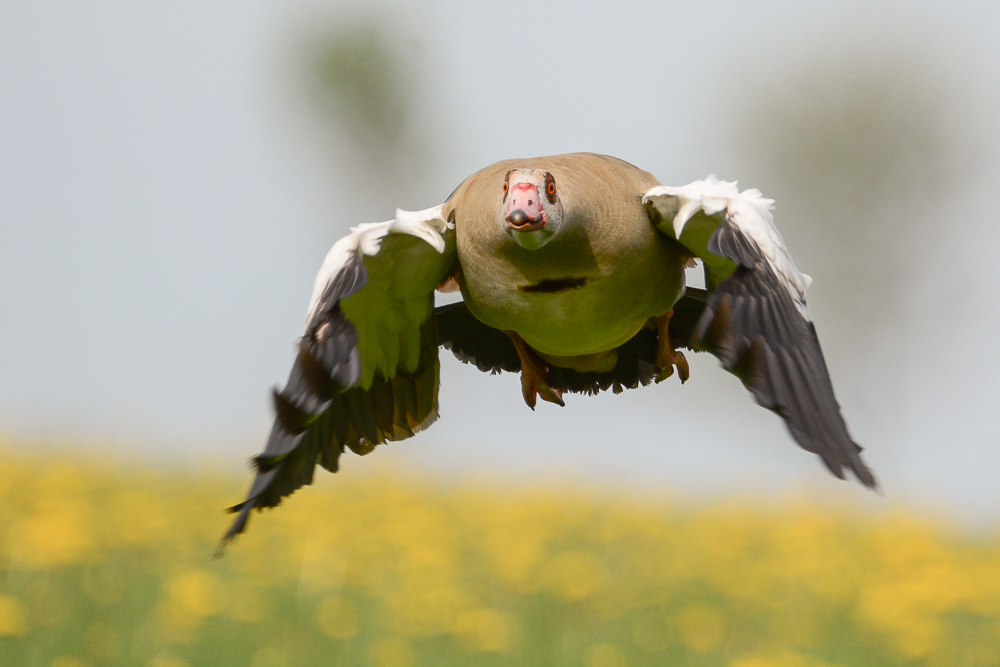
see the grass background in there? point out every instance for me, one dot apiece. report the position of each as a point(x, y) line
point(105, 563)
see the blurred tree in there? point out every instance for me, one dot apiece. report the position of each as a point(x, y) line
point(359, 81)
point(359, 86)
point(859, 147)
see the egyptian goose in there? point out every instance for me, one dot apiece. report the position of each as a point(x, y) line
point(571, 268)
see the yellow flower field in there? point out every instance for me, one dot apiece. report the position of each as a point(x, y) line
point(108, 564)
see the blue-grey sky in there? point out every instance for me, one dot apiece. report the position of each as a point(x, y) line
point(164, 205)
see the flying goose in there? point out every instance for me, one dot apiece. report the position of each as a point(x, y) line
point(571, 269)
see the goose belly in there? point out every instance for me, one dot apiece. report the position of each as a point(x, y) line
point(580, 313)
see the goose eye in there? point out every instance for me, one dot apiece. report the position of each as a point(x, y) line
point(505, 187)
point(551, 188)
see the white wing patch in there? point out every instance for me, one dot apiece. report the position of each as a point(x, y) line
point(366, 238)
point(749, 210)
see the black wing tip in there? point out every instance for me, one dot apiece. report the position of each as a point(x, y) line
point(861, 472)
point(864, 475)
point(852, 462)
point(238, 526)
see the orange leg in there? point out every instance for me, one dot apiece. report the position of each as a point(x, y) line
point(666, 356)
point(534, 375)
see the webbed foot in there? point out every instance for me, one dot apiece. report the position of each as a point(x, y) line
point(666, 356)
point(534, 375)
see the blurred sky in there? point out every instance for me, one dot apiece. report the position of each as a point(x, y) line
point(167, 194)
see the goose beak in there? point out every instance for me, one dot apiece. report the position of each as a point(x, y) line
point(524, 208)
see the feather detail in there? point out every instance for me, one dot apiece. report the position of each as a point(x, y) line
point(747, 212)
point(366, 239)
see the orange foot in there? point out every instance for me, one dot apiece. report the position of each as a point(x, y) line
point(666, 356)
point(534, 375)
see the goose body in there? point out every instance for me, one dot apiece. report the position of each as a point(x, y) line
point(565, 299)
point(571, 269)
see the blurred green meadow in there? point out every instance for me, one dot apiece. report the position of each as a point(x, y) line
point(107, 563)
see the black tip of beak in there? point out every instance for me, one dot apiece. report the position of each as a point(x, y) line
point(518, 218)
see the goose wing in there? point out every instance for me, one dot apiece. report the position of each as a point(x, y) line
point(366, 371)
point(756, 320)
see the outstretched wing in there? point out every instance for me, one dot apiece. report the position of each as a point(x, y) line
point(756, 321)
point(367, 365)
